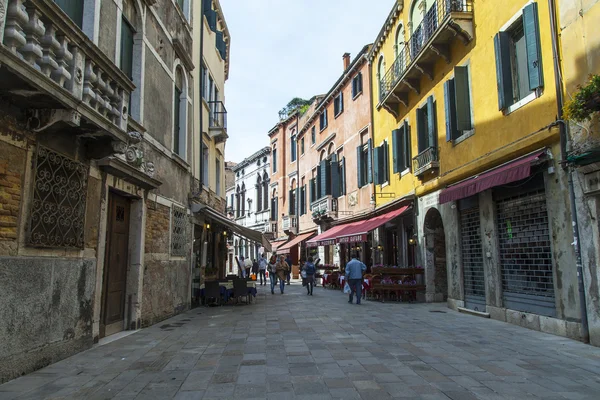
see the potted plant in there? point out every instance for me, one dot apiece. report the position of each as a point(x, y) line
point(585, 102)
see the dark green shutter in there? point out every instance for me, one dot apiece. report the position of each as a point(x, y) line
point(421, 131)
point(377, 164)
point(206, 5)
point(359, 166)
point(450, 109)
point(303, 200)
point(323, 177)
point(126, 48)
point(386, 162)
point(335, 176)
point(531, 28)
point(503, 69)
point(431, 128)
point(406, 153)
point(341, 107)
point(176, 113)
point(369, 161)
point(343, 176)
point(296, 200)
point(360, 82)
point(396, 150)
point(220, 44)
point(462, 98)
point(311, 192)
point(290, 202)
point(73, 8)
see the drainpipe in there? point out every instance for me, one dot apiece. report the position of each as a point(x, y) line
point(371, 133)
point(201, 109)
point(585, 333)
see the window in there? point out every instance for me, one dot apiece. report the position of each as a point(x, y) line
point(338, 104)
point(205, 158)
point(243, 199)
point(401, 148)
point(218, 176)
point(210, 87)
point(518, 59)
point(293, 148)
point(266, 191)
point(274, 160)
point(73, 8)
point(302, 145)
point(426, 126)
point(399, 45)
point(292, 199)
point(458, 104)
point(313, 135)
point(323, 120)
point(178, 232)
point(380, 76)
point(329, 178)
point(203, 81)
point(357, 85)
point(303, 198)
point(127, 33)
point(363, 163)
point(238, 198)
point(180, 4)
point(259, 191)
point(179, 114)
point(381, 164)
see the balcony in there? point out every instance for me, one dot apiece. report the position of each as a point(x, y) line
point(431, 40)
point(325, 209)
point(290, 224)
point(426, 161)
point(54, 71)
point(217, 121)
point(270, 230)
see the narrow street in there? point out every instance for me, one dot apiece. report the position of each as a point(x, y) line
point(299, 347)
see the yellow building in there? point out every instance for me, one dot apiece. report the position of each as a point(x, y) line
point(464, 117)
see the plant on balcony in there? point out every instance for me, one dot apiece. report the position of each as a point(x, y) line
point(585, 102)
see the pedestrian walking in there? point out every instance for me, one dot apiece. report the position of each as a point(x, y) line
point(354, 276)
point(247, 266)
point(282, 268)
point(255, 268)
point(262, 267)
point(272, 269)
point(309, 269)
point(288, 260)
point(241, 267)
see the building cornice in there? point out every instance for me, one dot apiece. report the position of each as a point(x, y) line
point(249, 160)
point(386, 29)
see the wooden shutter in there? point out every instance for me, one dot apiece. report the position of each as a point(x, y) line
point(323, 176)
point(421, 131)
point(462, 99)
point(296, 200)
point(397, 149)
point(370, 161)
point(341, 106)
point(176, 114)
point(354, 86)
point(290, 202)
point(335, 176)
point(343, 176)
point(378, 165)
point(73, 8)
point(311, 192)
point(406, 153)
point(431, 126)
point(360, 82)
point(359, 166)
point(531, 28)
point(450, 109)
point(386, 162)
point(126, 48)
point(503, 70)
point(303, 200)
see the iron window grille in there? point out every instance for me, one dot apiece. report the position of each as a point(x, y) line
point(179, 232)
point(59, 200)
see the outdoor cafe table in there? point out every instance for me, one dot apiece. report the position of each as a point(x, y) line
point(226, 289)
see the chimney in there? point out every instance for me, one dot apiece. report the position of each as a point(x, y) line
point(346, 58)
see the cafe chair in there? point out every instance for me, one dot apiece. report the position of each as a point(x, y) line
point(212, 290)
point(240, 289)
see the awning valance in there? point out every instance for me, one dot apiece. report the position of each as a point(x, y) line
point(326, 238)
point(357, 232)
point(287, 247)
point(507, 173)
point(248, 233)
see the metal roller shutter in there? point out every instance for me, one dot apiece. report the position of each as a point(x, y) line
point(472, 257)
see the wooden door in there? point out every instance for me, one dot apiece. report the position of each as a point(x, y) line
point(115, 266)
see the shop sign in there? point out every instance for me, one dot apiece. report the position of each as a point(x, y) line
point(592, 182)
point(326, 242)
point(430, 200)
point(353, 239)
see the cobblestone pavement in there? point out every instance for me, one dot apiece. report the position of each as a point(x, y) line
point(293, 346)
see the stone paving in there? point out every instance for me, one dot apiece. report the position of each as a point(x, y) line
point(293, 346)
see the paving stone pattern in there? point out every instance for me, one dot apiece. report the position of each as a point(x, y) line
point(293, 346)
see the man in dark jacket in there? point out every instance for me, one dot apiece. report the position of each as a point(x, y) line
point(288, 260)
point(309, 269)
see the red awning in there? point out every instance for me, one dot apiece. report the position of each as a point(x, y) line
point(279, 243)
point(326, 238)
point(358, 231)
point(287, 247)
point(507, 173)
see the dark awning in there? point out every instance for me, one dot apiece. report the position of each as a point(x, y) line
point(510, 172)
point(248, 233)
point(287, 247)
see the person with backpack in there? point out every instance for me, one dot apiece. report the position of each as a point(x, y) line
point(271, 268)
point(309, 269)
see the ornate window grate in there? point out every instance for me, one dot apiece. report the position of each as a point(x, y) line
point(59, 196)
point(179, 232)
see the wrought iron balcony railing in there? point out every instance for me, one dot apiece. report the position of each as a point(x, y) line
point(50, 54)
point(425, 161)
point(455, 16)
point(217, 120)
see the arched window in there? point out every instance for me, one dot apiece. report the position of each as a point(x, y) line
point(259, 191)
point(265, 190)
point(330, 149)
point(381, 75)
point(180, 113)
point(243, 201)
point(323, 155)
point(274, 206)
point(399, 43)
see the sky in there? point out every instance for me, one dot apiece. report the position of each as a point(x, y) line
point(281, 49)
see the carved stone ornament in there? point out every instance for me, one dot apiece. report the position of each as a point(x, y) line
point(119, 147)
point(135, 137)
point(149, 168)
point(134, 156)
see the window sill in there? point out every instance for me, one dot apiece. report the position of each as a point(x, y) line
point(463, 137)
point(405, 172)
point(384, 184)
point(338, 114)
point(179, 160)
point(322, 129)
point(357, 95)
point(521, 103)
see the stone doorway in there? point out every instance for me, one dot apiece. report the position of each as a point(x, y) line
point(435, 257)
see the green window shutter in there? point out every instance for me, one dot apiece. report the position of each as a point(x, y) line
point(406, 153)
point(359, 165)
point(126, 48)
point(343, 176)
point(386, 162)
point(296, 201)
point(450, 109)
point(431, 126)
point(396, 150)
point(303, 207)
point(341, 107)
point(335, 176)
point(73, 8)
point(531, 28)
point(311, 192)
point(421, 130)
point(176, 113)
point(360, 82)
point(377, 163)
point(369, 161)
point(290, 202)
point(206, 5)
point(462, 98)
point(323, 178)
point(503, 69)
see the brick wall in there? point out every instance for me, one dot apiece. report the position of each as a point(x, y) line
point(157, 228)
point(12, 169)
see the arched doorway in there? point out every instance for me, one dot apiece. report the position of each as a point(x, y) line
point(435, 257)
